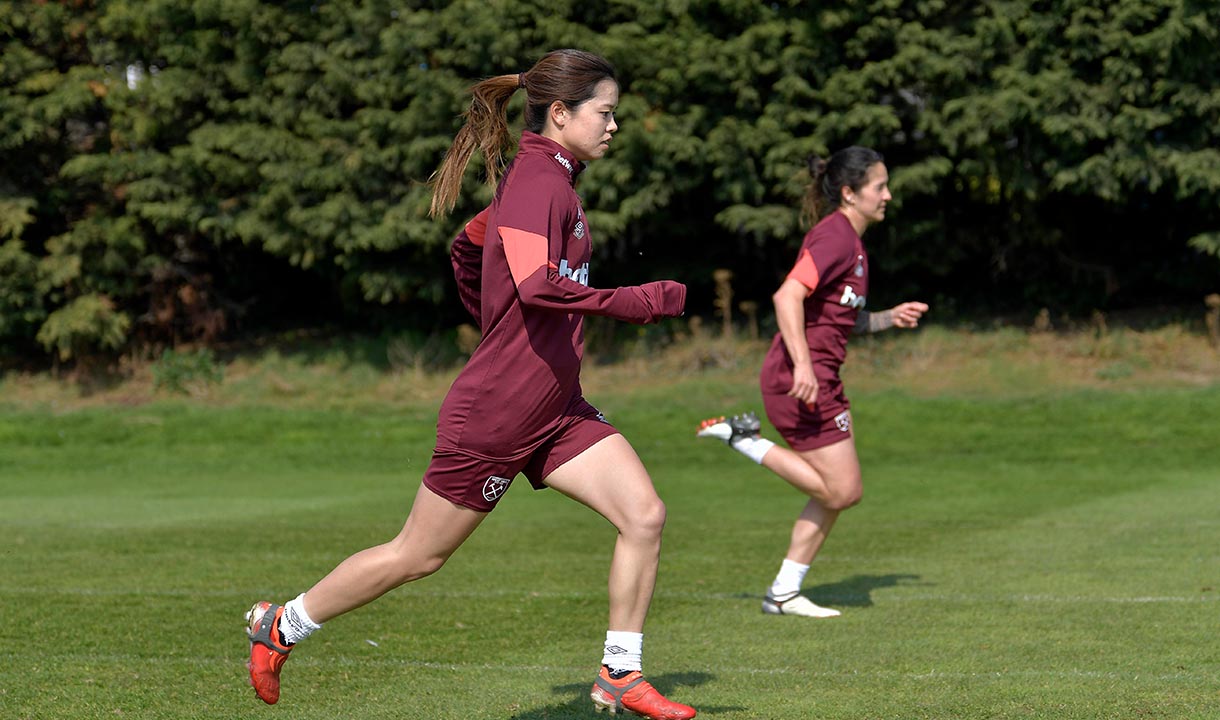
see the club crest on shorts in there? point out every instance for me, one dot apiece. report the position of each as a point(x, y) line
point(495, 487)
point(843, 421)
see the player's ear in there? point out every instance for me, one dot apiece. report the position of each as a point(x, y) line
point(558, 114)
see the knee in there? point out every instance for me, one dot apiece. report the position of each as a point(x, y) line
point(426, 567)
point(646, 521)
point(846, 498)
point(405, 564)
point(405, 572)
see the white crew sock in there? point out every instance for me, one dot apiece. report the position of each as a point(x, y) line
point(295, 623)
point(623, 650)
point(789, 578)
point(753, 447)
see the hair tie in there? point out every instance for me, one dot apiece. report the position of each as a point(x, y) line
point(521, 80)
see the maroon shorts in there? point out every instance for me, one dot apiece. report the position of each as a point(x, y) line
point(478, 482)
point(810, 428)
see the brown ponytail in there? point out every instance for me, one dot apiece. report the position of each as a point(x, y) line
point(485, 126)
point(566, 76)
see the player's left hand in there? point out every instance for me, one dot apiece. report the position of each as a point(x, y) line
point(906, 315)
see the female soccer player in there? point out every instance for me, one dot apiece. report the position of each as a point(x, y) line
point(517, 406)
point(818, 305)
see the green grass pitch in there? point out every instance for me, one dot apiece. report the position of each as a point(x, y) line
point(1053, 556)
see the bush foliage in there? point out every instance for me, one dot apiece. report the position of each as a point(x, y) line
point(173, 170)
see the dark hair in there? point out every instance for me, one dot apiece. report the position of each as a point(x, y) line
point(848, 166)
point(569, 76)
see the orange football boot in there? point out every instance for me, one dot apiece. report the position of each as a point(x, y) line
point(267, 650)
point(634, 693)
point(730, 429)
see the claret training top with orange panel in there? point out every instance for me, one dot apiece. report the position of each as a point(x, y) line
point(531, 297)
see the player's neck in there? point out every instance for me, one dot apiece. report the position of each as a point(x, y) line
point(858, 222)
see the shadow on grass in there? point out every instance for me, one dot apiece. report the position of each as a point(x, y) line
point(853, 592)
point(671, 685)
point(856, 591)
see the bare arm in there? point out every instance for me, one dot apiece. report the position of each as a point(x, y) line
point(905, 315)
point(789, 302)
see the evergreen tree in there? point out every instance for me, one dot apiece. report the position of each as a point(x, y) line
point(173, 170)
point(49, 112)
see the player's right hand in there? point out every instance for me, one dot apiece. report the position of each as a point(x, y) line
point(804, 384)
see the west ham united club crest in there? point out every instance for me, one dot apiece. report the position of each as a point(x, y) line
point(842, 420)
point(495, 487)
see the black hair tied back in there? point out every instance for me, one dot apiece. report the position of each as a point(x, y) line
point(817, 166)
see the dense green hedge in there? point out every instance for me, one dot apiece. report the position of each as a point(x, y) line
point(176, 170)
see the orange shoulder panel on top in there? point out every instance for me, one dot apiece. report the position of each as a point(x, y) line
point(805, 271)
point(477, 227)
point(526, 252)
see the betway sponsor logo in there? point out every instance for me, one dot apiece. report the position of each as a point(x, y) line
point(580, 274)
point(564, 162)
point(850, 298)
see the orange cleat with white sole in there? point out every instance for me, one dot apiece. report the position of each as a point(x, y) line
point(731, 429)
point(633, 693)
point(268, 653)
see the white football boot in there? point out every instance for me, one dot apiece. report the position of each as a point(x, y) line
point(796, 604)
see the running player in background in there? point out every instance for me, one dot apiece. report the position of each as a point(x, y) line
point(522, 267)
point(819, 304)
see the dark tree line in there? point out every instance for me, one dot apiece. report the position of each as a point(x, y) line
point(183, 170)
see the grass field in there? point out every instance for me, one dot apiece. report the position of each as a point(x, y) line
point(1026, 549)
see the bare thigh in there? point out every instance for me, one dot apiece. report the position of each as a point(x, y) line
point(609, 478)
